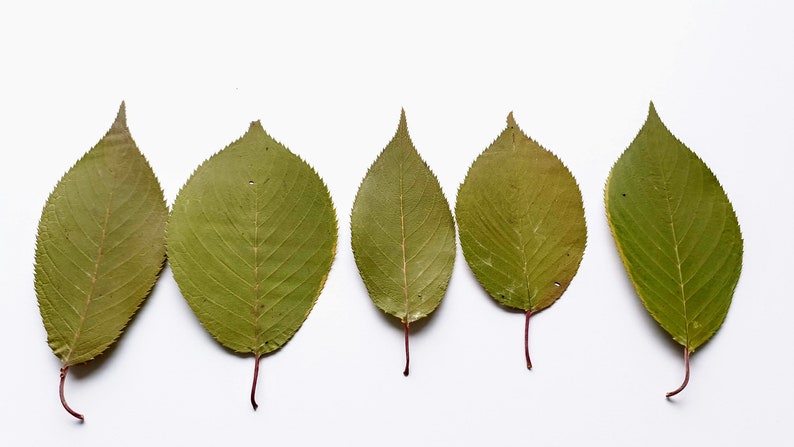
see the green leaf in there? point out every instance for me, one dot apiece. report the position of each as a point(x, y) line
point(251, 239)
point(402, 233)
point(100, 248)
point(521, 223)
point(677, 234)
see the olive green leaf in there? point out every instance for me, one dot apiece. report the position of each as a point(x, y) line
point(402, 233)
point(521, 223)
point(251, 239)
point(100, 248)
point(677, 234)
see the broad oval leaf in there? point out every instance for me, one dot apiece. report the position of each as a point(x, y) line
point(100, 248)
point(677, 235)
point(521, 223)
point(402, 233)
point(251, 239)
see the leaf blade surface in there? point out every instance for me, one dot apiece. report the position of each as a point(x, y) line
point(676, 232)
point(521, 220)
point(251, 240)
point(100, 246)
point(402, 232)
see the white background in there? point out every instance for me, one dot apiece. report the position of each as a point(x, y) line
point(328, 79)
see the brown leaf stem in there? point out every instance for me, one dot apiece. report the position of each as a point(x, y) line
point(686, 376)
point(64, 370)
point(526, 340)
point(253, 386)
point(407, 354)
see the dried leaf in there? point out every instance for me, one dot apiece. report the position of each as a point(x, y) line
point(100, 248)
point(251, 239)
point(402, 233)
point(677, 235)
point(521, 223)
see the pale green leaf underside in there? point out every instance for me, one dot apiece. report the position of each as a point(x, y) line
point(521, 222)
point(251, 239)
point(100, 246)
point(402, 232)
point(676, 232)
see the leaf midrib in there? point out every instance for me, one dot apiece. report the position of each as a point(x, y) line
point(257, 314)
point(675, 247)
point(94, 277)
point(522, 247)
point(402, 245)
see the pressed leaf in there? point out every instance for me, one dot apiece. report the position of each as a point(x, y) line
point(251, 239)
point(100, 248)
point(676, 233)
point(521, 223)
point(402, 233)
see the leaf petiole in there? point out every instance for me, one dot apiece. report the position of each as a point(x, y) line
point(407, 353)
point(526, 340)
point(64, 370)
point(253, 385)
point(686, 376)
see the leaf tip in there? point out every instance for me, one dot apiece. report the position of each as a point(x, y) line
point(403, 126)
point(652, 111)
point(511, 122)
point(120, 122)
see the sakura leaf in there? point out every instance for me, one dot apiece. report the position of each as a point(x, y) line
point(402, 233)
point(100, 248)
point(677, 235)
point(521, 224)
point(251, 239)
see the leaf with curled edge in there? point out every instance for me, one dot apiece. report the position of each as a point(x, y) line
point(100, 248)
point(677, 235)
point(521, 223)
point(402, 233)
point(251, 240)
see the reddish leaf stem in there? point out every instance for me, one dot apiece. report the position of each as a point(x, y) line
point(526, 340)
point(407, 353)
point(253, 386)
point(686, 376)
point(64, 370)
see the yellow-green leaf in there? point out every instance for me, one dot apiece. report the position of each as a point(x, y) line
point(100, 248)
point(677, 235)
point(402, 233)
point(251, 239)
point(521, 223)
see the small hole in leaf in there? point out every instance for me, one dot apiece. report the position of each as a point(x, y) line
point(250, 182)
point(624, 194)
point(556, 284)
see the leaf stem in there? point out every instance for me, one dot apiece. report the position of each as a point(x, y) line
point(407, 353)
point(253, 386)
point(686, 376)
point(526, 340)
point(64, 370)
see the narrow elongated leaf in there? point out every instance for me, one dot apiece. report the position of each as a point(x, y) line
point(521, 223)
point(402, 233)
point(251, 239)
point(100, 248)
point(676, 233)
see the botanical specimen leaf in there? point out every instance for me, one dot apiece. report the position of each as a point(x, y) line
point(402, 233)
point(521, 223)
point(100, 248)
point(251, 239)
point(677, 234)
